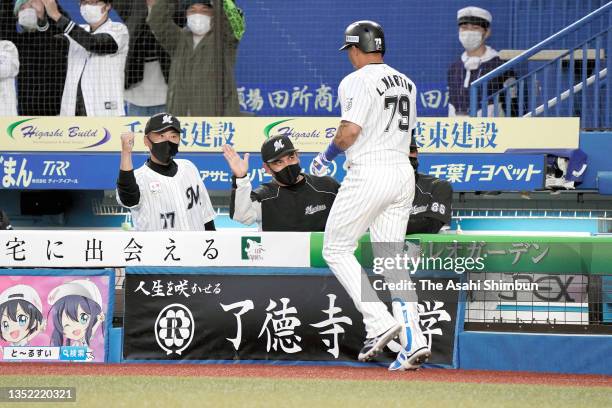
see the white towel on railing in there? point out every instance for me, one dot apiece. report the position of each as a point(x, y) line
point(472, 63)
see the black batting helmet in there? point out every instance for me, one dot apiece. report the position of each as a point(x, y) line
point(366, 35)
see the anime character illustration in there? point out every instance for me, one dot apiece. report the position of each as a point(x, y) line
point(76, 312)
point(21, 316)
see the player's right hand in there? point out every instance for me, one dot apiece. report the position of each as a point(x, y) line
point(239, 166)
point(319, 165)
point(127, 142)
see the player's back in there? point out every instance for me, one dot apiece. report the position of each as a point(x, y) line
point(382, 101)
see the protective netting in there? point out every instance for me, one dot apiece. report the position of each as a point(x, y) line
point(283, 61)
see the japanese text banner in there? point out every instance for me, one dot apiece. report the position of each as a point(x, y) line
point(466, 172)
point(298, 316)
point(310, 134)
point(55, 248)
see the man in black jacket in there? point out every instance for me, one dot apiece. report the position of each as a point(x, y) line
point(42, 56)
point(432, 204)
point(293, 201)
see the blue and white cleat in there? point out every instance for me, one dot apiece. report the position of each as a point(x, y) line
point(415, 350)
point(414, 361)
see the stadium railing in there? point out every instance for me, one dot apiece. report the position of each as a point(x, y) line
point(549, 88)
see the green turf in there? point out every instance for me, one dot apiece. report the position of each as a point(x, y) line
point(168, 392)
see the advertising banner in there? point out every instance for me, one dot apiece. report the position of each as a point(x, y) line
point(321, 99)
point(71, 171)
point(97, 248)
point(554, 299)
point(486, 172)
point(309, 134)
point(269, 316)
point(63, 317)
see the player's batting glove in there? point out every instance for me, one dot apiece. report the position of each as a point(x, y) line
point(319, 165)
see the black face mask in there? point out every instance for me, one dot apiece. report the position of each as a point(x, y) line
point(415, 163)
point(164, 151)
point(289, 174)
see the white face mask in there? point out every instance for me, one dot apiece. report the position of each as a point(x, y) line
point(28, 18)
point(470, 39)
point(199, 24)
point(91, 13)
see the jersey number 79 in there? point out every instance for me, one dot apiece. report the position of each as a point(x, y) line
point(399, 103)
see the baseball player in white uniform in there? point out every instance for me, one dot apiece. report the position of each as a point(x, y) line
point(378, 115)
point(163, 194)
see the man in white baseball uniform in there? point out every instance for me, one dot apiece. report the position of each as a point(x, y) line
point(378, 115)
point(96, 60)
point(9, 68)
point(163, 194)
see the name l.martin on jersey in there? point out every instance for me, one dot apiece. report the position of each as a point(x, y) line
point(391, 81)
point(492, 285)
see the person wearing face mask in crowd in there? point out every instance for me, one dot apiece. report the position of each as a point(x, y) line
point(477, 60)
point(432, 204)
point(292, 201)
point(42, 57)
point(148, 65)
point(96, 60)
point(9, 68)
point(201, 81)
point(164, 193)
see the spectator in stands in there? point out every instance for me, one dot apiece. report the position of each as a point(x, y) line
point(432, 205)
point(477, 60)
point(148, 64)
point(5, 223)
point(42, 57)
point(9, 68)
point(96, 60)
point(203, 56)
point(293, 201)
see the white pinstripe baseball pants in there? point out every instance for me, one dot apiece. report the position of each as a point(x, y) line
point(378, 198)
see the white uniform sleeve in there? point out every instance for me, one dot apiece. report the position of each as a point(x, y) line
point(413, 112)
point(9, 60)
point(355, 100)
point(120, 34)
point(246, 211)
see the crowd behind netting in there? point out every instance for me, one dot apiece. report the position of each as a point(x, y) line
point(142, 57)
point(165, 55)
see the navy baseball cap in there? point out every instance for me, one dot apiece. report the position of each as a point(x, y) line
point(161, 122)
point(276, 147)
point(189, 3)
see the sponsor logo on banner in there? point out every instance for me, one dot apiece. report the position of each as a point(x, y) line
point(302, 132)
point(269, 317)
point(174, 328)
point(251, 248)
point(42, 133)
point(309, 134)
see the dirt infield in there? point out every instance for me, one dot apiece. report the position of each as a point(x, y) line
point(313, 372)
